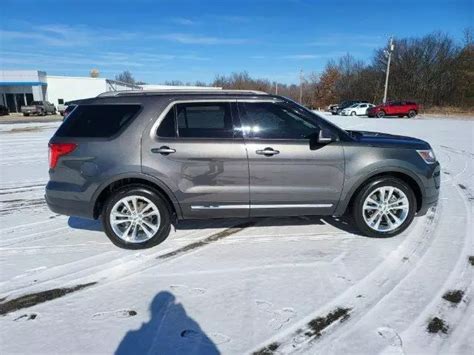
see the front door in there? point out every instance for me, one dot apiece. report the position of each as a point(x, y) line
point(286, 176)
point(197, 153)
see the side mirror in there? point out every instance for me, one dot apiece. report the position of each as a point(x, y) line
point(320, 138)
point(326, 136)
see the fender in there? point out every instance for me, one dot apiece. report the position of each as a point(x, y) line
point(347, 195)
point(143, 176)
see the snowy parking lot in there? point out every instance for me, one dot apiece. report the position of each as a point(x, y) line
point(273, 285)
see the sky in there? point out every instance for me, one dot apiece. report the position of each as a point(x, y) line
point(159, 41)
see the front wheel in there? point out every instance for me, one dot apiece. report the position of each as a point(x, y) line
point(384, 207)
point(353, 113)
point(136, 217)
point(411, 113)
point(380, 114)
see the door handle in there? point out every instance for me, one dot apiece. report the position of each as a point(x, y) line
point(268, 152)
point(164, 150)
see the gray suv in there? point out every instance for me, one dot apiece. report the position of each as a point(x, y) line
point(142, 160)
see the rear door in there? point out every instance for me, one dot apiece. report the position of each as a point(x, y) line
point(286, 176)
point(195, 150)
point(362, 109)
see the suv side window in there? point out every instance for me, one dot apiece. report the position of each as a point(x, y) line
point(167, 127)
point(204, 120)
point(267, 120)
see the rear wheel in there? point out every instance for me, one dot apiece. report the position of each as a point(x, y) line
point(411, 113)
point(26, 114)
point(381, 114)
point(384, 207)
point(136, 217)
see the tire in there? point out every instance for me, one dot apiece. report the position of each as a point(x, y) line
point(26, 114)
point(42, 113)
point(411, 113)
point(363, 211)
point(353, 113)
point(380, 114)
point(161, 218)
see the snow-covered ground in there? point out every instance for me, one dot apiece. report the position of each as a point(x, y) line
point(275, 285)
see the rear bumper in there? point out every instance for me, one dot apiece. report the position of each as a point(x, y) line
point(66, 202)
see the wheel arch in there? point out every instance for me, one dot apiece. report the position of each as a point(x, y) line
point(109, 187)
point(406, 177)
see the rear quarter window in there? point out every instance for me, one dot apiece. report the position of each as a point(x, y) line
point(97, 121)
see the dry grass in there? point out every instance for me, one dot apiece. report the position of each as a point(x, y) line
point(449, 111)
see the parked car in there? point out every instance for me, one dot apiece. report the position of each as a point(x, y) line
point(357, 110)
point(140, 161)
point(67, 111)
point(40, 108)
point(4, 110)
point(395, 108)
point(345, 104)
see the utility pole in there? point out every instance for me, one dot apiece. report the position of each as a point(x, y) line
point(276, 87)
point(388, 53)
point(301, 86)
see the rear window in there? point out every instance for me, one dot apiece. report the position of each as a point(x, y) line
point(97, 121)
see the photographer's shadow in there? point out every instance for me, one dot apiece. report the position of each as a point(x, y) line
point(169, 331)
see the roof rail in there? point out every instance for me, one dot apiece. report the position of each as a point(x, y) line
point(177, 91)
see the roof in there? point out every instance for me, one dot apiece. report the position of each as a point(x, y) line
point(180, 92)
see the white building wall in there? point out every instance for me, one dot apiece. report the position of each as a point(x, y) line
point(73, 88)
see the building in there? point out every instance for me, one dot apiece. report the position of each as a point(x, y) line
point(21, 87)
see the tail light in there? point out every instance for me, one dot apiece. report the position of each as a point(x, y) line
point(57, 150)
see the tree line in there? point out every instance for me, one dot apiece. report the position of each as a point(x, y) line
point(433, 70)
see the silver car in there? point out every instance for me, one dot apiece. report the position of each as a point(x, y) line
point(141, 161)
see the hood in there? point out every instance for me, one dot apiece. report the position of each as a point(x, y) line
point(388, 140)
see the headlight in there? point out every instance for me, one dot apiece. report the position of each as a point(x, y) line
point(428, 156)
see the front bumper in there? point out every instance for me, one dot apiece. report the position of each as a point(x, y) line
point(431, 191)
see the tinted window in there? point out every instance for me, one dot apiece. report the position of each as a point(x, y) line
point(275, 121)
point(97, 120)
point(167, 127)
point(204, 120)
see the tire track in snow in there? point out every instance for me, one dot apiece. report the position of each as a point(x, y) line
point(459, 278)
point(118, 268)
point(380, 281)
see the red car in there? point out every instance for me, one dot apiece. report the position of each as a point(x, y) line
point(394, 108)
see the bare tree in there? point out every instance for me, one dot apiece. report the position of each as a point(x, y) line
point(125, 77)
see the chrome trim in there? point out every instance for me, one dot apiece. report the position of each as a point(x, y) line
point(220, 207)
point(316, 205)
point(230, 207)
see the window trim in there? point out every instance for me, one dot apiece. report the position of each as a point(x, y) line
point(173, 103)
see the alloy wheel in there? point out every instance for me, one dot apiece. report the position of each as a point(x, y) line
point(385, 209)
point(135, 219)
